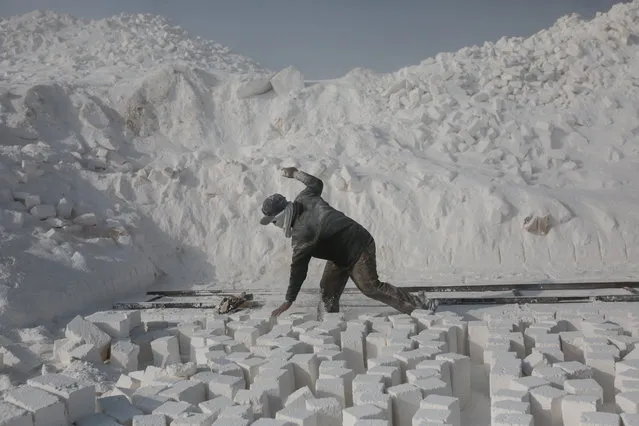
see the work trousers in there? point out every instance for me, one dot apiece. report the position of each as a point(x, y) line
point(364, 275)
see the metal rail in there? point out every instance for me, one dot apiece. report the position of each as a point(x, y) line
point(595, 285)
point(630, 287)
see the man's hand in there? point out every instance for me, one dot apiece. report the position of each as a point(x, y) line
point(289, 172)
point(282, 308)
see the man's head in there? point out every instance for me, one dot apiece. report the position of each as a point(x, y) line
point(272, 206)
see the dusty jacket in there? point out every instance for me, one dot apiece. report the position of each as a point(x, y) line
point(322, 232)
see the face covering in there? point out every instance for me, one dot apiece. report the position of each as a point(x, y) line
point(284, 219)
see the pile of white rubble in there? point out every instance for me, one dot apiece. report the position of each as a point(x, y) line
point(572, 367)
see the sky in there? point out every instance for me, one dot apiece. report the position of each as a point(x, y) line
point(327, 38)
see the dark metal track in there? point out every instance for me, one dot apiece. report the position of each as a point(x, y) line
point(515, 289)
point(433, 288)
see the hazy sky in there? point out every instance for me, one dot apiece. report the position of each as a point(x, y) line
point(326, 38)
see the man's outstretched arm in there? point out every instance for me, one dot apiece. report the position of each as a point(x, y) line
point(313, 184)
point(299, 270)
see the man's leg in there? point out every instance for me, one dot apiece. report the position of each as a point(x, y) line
point(364, 274)
point(332, 285)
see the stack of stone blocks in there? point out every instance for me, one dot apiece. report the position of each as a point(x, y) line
point(557, 368)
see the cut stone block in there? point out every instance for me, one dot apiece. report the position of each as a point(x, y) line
point(513, 419)
point(246, 335)
point(554, 375)
point(446, 403)
point(306, 367)
point(328, 410)
point(430, 416)
point(628, 419)
point(583, 387)
point(503, 373)
point(147, 403)
point(533, 361)
point(603, 369)
point(251, 367)
point(527, 383)
point(410, 359)
point(364, 382)
point(86, 332)
point(460, 376)
point(43, 211)
point(331, 388)
point(78, 398)
point(224, 385)
point(573, 406)
point(257, 399)
point(353, 346)
point(119, 408)
point(226, 367)
point(174, 409)
point(86, 352)
point(298, 415)
point(391, 375)
point(150, 420)
point(124, 355)
point(420, 374)
point(405, 402)
point(116, 324)
point(477, 339)
point(545, 405)
point(433, 386)
point(508, 406)
point(127, 382)
point(272, 422)
point(517, 344)
point(575, 370)
point(375, 345)
point(47, 409)
point(12, 415)
point(628, 402)
point(215, 406)
point(511, 395)
point(97, 419)
point(361, 412)
point(166, 351)
point(275, 384)
point(231, 422)
point(627, 381)
point(190, 391)
point(193, 419)
point(599, 419)
point(439, 365)
point(344, 374)
point(298, 398)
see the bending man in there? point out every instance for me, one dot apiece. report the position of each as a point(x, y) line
point(320, 231)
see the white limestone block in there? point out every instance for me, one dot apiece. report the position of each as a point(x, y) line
point(165, 351)
point(79, 398)
point(118, 407)
point(86, 332)
point(47, 409)
point(13, 415)
point(328, 410)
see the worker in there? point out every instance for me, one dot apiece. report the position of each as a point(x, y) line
point(320, 231)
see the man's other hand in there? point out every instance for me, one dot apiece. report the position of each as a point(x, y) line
point(277, 312)
point(289, 172)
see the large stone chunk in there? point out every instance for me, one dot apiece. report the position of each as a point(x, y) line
point(47, 409)
point(255, 88)
point(288, 80)
point(79, 398)
point(85, 331)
